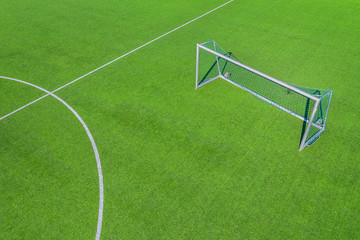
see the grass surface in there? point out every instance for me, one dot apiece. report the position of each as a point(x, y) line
point(214, 163)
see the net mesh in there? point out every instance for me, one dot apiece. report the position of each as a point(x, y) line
point(269, 91)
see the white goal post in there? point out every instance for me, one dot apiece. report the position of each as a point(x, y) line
point(307, 104)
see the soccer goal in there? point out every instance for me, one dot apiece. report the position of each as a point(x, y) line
point(307, 104)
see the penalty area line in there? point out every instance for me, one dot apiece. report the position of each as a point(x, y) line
point(116, 59)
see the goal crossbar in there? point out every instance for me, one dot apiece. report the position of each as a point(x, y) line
point(260, 73)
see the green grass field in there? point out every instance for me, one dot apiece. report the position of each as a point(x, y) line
point(177, 163)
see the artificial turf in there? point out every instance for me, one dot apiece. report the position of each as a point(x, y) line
point(178, 163)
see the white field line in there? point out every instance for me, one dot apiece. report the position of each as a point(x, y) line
point(11, 113)
point(97, 157)
point(77, 79)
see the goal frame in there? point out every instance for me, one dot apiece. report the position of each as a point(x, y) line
point(308, 122)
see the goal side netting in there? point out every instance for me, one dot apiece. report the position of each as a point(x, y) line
point(307, 104)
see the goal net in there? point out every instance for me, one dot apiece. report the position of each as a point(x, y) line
point(307, 104)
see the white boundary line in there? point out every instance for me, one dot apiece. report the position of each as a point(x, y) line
point(5, 116)
point(97, 157)
point(101, 187)
point(77, 79)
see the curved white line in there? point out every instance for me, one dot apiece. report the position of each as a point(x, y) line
point(101, 186)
